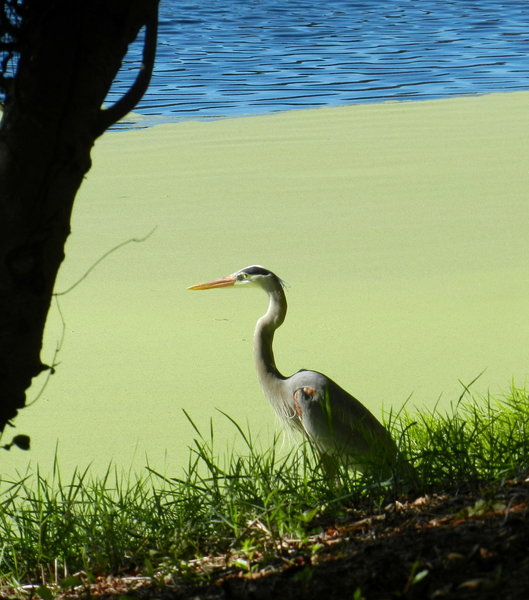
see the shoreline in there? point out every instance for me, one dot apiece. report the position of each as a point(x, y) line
point(138, 119)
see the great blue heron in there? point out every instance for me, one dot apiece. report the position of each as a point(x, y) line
point(336, 423)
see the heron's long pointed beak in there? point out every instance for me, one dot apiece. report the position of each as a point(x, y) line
point(216, 283)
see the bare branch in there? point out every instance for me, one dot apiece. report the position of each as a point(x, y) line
point(128, 101)
point(102, 258)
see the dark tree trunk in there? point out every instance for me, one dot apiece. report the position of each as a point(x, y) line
point(69, 54)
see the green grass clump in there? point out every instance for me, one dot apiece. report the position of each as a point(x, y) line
point(478, 439)
point(121, 524)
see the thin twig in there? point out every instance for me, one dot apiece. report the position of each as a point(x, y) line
point(58, 348)
point(102, 258)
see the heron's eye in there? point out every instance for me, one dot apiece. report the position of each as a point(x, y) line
point(242, 276)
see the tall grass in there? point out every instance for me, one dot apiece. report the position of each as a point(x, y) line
point(478, 439)
point(120, 524)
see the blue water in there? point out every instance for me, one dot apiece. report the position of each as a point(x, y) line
point(222, 58)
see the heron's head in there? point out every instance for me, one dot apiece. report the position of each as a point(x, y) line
point(255, 276)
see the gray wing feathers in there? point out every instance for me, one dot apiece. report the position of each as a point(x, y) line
point(339, 424)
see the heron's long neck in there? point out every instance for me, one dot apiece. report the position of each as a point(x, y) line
point(264, 336)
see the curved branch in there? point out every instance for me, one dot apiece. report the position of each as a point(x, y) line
point(102, 258)
point(126, 103)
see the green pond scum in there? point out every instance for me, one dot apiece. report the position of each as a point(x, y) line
point(400, 227)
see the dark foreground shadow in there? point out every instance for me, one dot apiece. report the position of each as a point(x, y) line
point(450, 546)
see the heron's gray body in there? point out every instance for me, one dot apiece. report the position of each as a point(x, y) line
point(336, 422)
point(311, 403)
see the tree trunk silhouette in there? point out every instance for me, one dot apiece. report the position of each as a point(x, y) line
point(69, 52)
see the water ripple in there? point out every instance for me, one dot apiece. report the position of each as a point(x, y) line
point(218, 59)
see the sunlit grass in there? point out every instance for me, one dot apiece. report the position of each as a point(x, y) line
point(478, 439)
point(120, 523)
